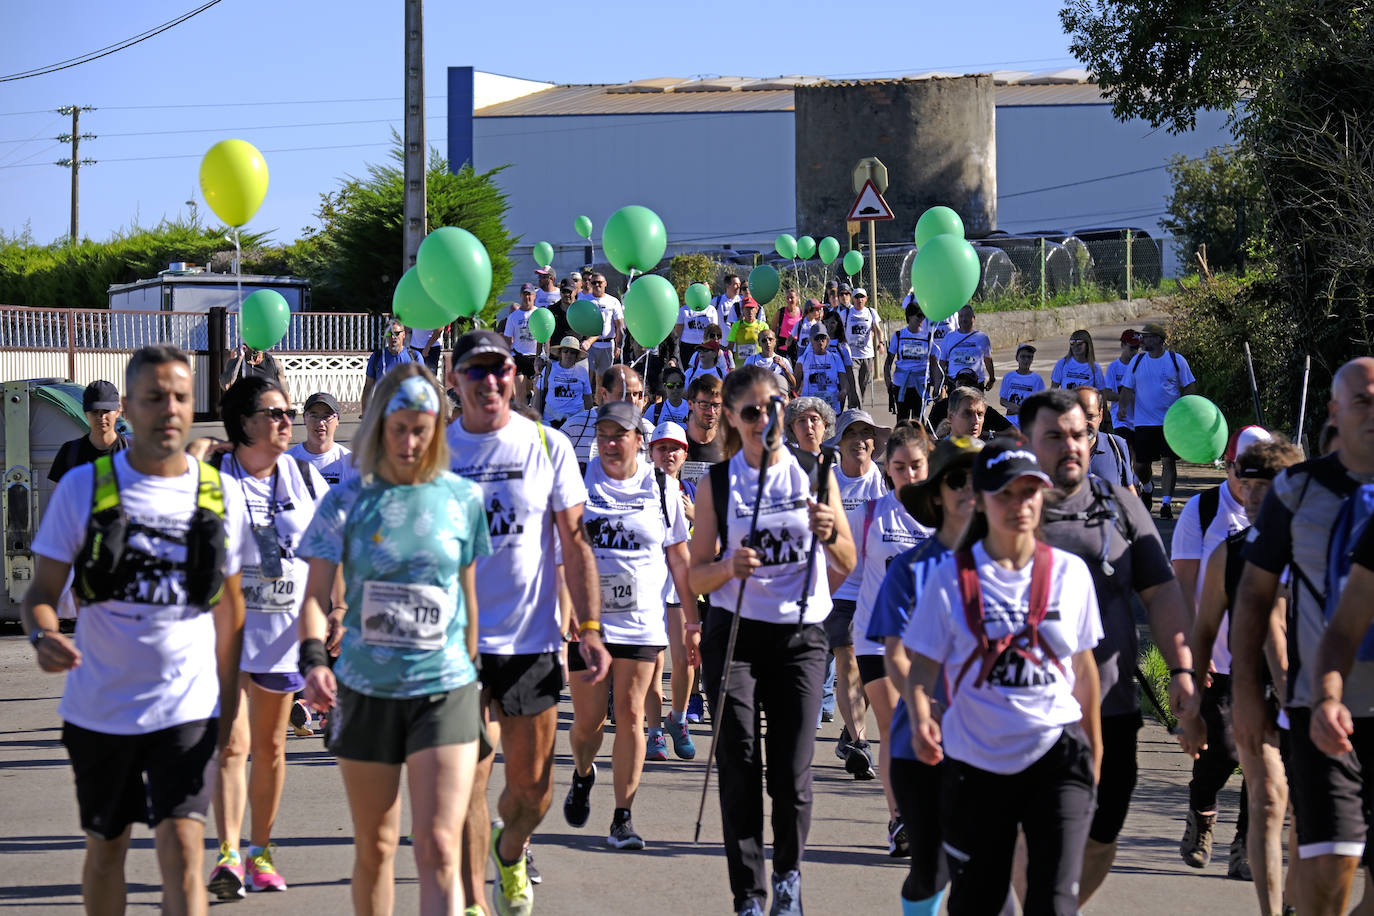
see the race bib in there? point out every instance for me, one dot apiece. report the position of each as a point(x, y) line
point(692, 471)
point(913, 349)
point(280, 595)
point(618, 593)
point(744, 350)
point(964, 359)
point(403, 616)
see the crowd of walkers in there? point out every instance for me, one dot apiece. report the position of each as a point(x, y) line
point(972, 578)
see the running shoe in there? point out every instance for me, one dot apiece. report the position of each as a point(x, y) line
point(577, 807)
point(261, 874)
point(473, 910)
point(1166, 510)
point(752, 908)
point(657, 746)
point(226, 881)
point(786, 895)
point(511, 894)
point(1238, 861)
point(827, 715)
point(695, 707)
point(898, 843)
point(1196, 845)
point(623, 835)
point(842, 746)
point(682, 738)
point(530, 871)
point(859, 762)
point(300, 719)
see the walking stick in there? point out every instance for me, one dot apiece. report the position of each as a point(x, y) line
point(772, 441)
point(1254, 386)
point(1302, 405)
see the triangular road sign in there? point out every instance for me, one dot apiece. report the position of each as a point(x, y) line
point(870, 205)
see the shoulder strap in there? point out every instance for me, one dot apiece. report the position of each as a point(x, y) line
point(1121, 461)
point(1208, 504)
point(105, 488)
point(304, 467)
point(868, 520)
point(210, 489)
point(1174, 356)
point(661, 479)
point(971, 591)
point(720, 491)
point(544, 441)
point(1135, 364)
point(1041, 568)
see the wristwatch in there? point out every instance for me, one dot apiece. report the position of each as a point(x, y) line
point(36, 637)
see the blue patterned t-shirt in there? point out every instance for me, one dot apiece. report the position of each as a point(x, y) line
point(402, 548)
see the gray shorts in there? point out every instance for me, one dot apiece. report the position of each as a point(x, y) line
point(385, 730)
point(598, 361)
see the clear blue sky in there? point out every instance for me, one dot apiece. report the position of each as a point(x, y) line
point(278, 73)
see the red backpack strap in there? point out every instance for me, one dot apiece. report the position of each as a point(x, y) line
point(971, 591)
point(1041, 569)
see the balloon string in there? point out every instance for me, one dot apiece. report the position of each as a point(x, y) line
point(238, 278)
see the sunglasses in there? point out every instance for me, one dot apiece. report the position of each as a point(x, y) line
point(750, 413)
point(276, 414)
point(395, 333)
point(713, 337)
point(477, 373)
point(672, 384)
point(708, 405)
point(955, 479)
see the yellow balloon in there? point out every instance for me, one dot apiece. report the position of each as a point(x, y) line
point(233, 178)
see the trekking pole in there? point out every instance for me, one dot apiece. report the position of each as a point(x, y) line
point(1302, 404)
point(772, 441)
point(1254, 387)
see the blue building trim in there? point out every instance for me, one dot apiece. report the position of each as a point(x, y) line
point(460, 100)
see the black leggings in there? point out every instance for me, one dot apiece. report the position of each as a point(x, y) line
point(1214, 766)
point(917, 787)
point(777, 669)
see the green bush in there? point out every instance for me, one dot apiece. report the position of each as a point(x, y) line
point(686, 269)
point(1156, 671)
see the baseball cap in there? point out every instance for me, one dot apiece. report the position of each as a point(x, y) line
point(478, 343)
point(949, 453)
point(1156, 329)
point(860, 291)
point(818, 331)
point(668, 431)
point(100, 395)
point(813, 303)
point(832, 284)
point(575, 275)
point(544, 271)
point(1004, 461)
point(1025, 346)
point(527, 287)
point(1245, 437)
point(842, 288)
point(1131, 337)
point(568, 283)
point(856, 417)
point(621, 413)
point(321, 397)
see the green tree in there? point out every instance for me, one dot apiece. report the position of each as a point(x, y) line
point(354, 259)
point(1218, 201)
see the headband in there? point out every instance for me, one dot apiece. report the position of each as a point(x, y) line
point(415, 393)
point(1252, 473)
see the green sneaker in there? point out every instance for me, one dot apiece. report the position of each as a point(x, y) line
point(511, 893)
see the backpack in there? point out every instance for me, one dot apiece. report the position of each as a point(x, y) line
point(1351, 522)
point(1208, 504)
point(1103, 508)
point(217, 461)
point(1172, 355)
point(988, 651)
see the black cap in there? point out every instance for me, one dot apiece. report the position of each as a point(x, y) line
point(478, 343)
point(321, 397)
point(843, 288)
point(1003, 461)
point(100, 395)
point(621, 413)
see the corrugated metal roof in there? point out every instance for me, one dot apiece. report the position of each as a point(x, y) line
point(671, 96)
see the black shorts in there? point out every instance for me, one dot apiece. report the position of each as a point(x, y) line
point(522, 685)
point(388, 730)
point(524, 365)
point(1119, 737)
point(917, 788)
point(871, 668)
point(837, 625)
point(1329, 793)
point(617, 650)
point(1150, 445)
point(123, 779)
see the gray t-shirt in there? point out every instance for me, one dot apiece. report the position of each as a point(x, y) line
point(1082, 524)
point(1294, 532)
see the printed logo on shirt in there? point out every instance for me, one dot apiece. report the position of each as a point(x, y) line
point(144, 577)
point(501, 519)
point(775, 548)
point(611, 534)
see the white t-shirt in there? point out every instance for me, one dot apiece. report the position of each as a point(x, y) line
point(611, 310)
point(694, 323)
point(1070, 373)
point(1190, 542)
point(1020, 711)
point(522, 487)
point(518, 330)
point(910, 357)
point(668, 411)
point(858, 330)
point(334, 465)
point(727, 307)
point(272, 606)
point(1017, 387)
point(1157, 384)
point(890, 531)
point(543, 298)
point(773, 592)
point(628, 534)
point(696, 371)
point(1114, 374)
point(854, 493)
point(565, 390)
point(772, 364)
point(821, 375)
point(420, 337)
point(147, 658)
point(966, 351)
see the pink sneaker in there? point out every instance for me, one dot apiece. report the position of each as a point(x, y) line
point(261, 873)
point(226, 881)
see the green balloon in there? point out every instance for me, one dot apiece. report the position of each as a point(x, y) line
point(417, 308)
point(541, 324)
point(543, 254)
point(455, 270)
point(785, 246)
point(698, 296)
point(938, 221)
point(650, 310)
point(583, 226)
point(806, 247)
point(828, 249)
point(634, 239)
point(263, 319)
point(1195, 429)
point(945, 276)
point(585, 318)
point(854, 262)
point(763, 284)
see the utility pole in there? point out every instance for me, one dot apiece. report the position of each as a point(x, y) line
point(75, 162)
point(414, 232)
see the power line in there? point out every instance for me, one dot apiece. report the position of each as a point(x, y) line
point(108, 49)
point(292, 149)
point(230, 130)
point(1075, 184)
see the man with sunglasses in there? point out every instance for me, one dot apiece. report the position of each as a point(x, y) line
point(533, 492)
point(393, 353)
point(605, 350)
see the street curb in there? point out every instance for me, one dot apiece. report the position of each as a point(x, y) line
point(1007, 329)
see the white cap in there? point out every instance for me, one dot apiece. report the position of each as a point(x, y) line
point(575, 275)
point(670, 431)
point(860, 291)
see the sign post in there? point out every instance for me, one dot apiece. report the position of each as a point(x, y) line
point(870, 181)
